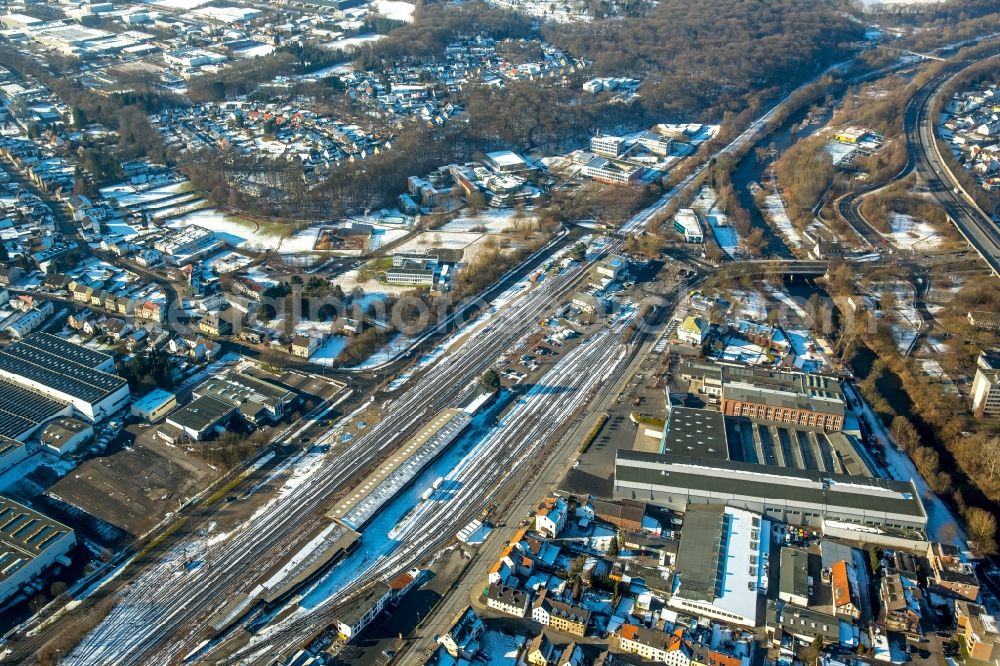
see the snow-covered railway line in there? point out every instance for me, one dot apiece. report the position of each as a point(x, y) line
point(514, 442)
point(160, 602)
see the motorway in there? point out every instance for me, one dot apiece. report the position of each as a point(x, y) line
point(922, 154)
point(978, 228)
point(161, 614)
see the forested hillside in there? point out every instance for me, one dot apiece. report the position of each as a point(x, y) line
point(704, 57)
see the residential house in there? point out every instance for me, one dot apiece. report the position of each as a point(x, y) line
point(693, 330)
point(551, 516)
point(978, 631)
point(540, 651)
point(303, 346)
point(461, 639)
point(560, 616)
point(900, 604)
point(844, 585)
point(508, 600)
point(655, 645)
point(950, 573)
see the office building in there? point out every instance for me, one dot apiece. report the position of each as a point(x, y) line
point(607, 145)
point(686, 223)
point(986, 387)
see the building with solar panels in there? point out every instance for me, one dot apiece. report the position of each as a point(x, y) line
point(65, 373)
point(30, 543)
point(24, 410)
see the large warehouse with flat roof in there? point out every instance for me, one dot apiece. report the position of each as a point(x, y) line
point(23, 410)
point(785, 471)
point(29, 544)
point(66, 372)
point(786, 494)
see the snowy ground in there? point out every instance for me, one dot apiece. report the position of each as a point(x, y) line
point(774, 210)
point(805, 359)
point(128, 197)
point(385, 235)
point(932, 368)
point(328, 353)
point(388, 351)
point(453, 240)
point(727, 237)
point(740, 350)
point(395, 9)
point(901, 467)
point(241, 233)
point(494, 220)
point(351, 43)
point(907, 320)
point(748, 305)
point(910, 233)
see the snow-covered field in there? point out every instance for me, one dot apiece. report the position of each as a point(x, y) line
point(727, 237)
point(177, 4)
point(910, 233)
point(494, 220)
point(240, 233)
point(395, 9)
point(451, 240)
point(774, 210)
point(329, 351)
point(351, 43)
point(128, 197)
point(389, 351)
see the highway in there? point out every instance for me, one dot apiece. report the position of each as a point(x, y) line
point(978, 228)
point(161, 614)
point(515, 443)
point(922, 153)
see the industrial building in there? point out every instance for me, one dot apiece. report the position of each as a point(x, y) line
point(30, 543)
point(786, 472)
point(257, 401)
point(686, 224)
point(65, 372)
point(23, 410)
point(218, 398)
point(154, 405)
point(789, 397)
point(11, 453)
point(65, 435)
point(187, 244)
point(719, 563)
point(864, 508)
point(198, 418)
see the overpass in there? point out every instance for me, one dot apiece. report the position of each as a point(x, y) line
point(763, 267)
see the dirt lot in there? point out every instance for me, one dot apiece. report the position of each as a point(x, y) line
point(134, 487)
